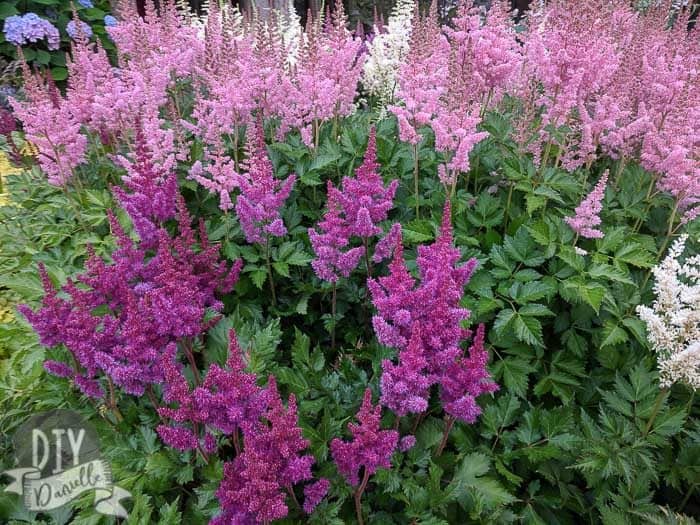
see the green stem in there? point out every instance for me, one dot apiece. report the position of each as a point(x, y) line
point(655, 411)
point(269, 271)
point(333, 307)
point(507, 212)
point(415, 178)
point(667, 239)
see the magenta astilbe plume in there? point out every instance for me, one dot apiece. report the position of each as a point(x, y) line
point(406, 387)
point(262, 195)
point(152, 196)
point(50, 126)
point(370, 446)
point(334, 257)
point(355, 210)
point(587, 217)
point(395, 299)
point(256, 482)
point(465, 380)
point(364, 199)
point(227, 400)
point(424, 322)
point(434, 303)
point(314, 493)
point(125, 313)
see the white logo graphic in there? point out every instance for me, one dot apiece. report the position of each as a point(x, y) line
point(59, 460)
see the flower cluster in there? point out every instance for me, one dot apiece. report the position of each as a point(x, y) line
point(355, 210)
point(370, 448)
point(22, 29)
point(262, 195)
point(226, 400)
point(386, 52)
point(125, 314)
point(424, 323)
point(257, 481)
point(673, 321)
point(50, 126)
point(77, 29)
point(587, 217)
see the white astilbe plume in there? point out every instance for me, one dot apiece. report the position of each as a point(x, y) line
point(386, 53)
point(673, 321)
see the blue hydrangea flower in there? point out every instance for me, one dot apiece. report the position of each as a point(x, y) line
point(87, 4)
point(110, 21)
point(72, 29)
point(20, 30)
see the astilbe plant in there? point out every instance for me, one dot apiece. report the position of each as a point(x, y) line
point(120, 317)
point(386, 52)
point(353, 211)
point(673, 321)
point(51, 127)
point(423, 321)
point(261, 194)
point(149, 196)
point(258, 480)
point(587, 218)
point(227, 400)
point(324, 79)
point(370, 449)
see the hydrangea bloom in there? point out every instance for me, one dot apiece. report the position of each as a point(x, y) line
point(22, 29)
point(110, 21)
point(73, 28)
point(370, 446)
point(673, 320)
point(588, 212)
point(87, 4)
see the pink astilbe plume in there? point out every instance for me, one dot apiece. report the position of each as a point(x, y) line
point(125, 314)
point(262, 195)
point(355, 210)
point(49, 125)
point(150, 196)
point(587, 217)
point(423, 78)
point(364, 199)
point(325, 78)
point(370, 448)
point(257, 481)
point(573, 53)
point(227, 400)
point(465, 380)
